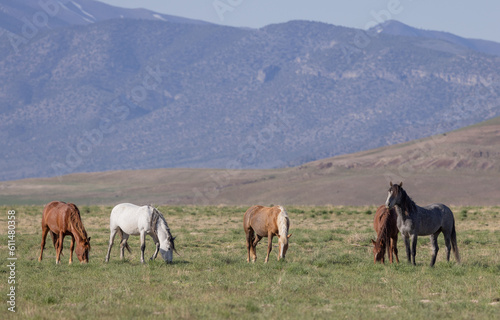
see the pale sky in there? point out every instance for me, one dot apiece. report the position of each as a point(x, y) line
point(478, 19)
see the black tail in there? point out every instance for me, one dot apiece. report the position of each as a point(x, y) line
point(454, 243)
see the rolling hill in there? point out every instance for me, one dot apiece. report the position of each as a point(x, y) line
point(113, 93)
point(459, 168)
point(28, 17)
point(400, 29)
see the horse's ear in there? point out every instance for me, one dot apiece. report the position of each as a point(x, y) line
point(173, 238)
point(401, 184)
point(373, 241)
point(390, 183)
point(89, 239)
point(289, 235)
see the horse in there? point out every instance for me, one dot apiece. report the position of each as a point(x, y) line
point(259, 222)
point(63, 219)
point(414, 221)
point(385, 224)
point(128, 219)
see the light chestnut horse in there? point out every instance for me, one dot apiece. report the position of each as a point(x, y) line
point(385, 224)
point(63, 219)
point(259, 222)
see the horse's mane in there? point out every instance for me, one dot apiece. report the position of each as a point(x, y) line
point(407, 204)
point(283, 222)
point(76, 221)
point(155, 218)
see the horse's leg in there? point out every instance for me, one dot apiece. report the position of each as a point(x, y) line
point(249, 239)
point(395, 247)
point(435, 247)
point(60, 241)
point(157, 243)
point(111, 240)
point(143, 245)
point(123, 245)
point(414, 238)
point(388, 248)
point(407, 246)
point(72, 246)
point(254, 245)
point(55, 240)
point(45, 230)
point(269, 245)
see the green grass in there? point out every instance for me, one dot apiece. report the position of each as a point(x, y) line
point(328, 273)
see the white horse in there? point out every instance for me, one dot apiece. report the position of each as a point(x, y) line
point(129, 219)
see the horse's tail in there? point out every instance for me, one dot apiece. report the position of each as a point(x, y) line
point(121, 239)
point(283, 222)
point(54, 239)
point(454, 243)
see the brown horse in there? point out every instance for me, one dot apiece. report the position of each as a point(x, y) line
point(259, 222)
point(385, 224)
point(63, 219)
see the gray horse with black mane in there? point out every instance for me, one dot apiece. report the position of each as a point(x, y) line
point(414, 221)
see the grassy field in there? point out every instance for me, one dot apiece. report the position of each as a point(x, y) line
point(328, 273)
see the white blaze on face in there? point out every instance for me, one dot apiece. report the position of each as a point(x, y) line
point(387, 202)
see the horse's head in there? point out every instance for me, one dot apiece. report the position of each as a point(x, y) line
point(394, 195)
point(167, 248)
point(283, 245)
point(82, 250)
point(378, 252)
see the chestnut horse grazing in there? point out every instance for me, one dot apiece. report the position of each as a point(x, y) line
point(259, 222)
point(63, 219)
point(385, 224)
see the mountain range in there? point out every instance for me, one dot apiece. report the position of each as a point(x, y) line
point(51, 14)
point(88, 87)
point(397, 28)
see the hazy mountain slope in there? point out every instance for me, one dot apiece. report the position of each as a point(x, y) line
point(28, 17)
point(397, 28)
point(131, 94)
point(458, 168)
